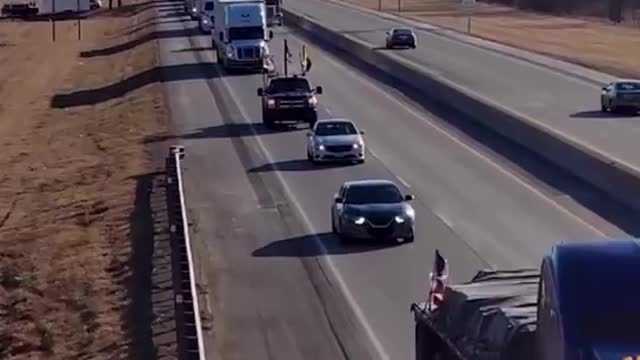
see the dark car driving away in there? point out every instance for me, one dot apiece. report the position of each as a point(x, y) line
point(401, 37)
point(372, 209)
point(622, 94)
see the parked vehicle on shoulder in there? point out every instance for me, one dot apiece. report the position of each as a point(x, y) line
point(372, 210)
point(335, 140)
point(401, 37)
point(622, 94)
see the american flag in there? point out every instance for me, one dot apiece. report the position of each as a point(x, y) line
point(438, 277)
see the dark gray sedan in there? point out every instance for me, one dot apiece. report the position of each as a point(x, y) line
point(372, 209)
point(621, 94)
point(401, 37)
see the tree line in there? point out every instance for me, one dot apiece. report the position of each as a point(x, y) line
point(612, 9)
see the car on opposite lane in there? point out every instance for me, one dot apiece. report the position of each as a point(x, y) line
point(620, 95)
point(335, 140)
point(400, 37)
point(372, 210)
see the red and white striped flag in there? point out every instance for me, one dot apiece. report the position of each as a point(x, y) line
point(438, 278)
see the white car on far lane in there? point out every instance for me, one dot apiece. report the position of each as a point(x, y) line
point(335, 140)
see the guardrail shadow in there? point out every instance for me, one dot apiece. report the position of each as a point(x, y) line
point(150, 287)
point(157, 74)
point(156, 35)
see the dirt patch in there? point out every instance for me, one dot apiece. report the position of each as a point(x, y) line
point(68, 184)
point(591, 42)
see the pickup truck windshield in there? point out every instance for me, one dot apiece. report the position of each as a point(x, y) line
point(246, 33)
point(288, 85)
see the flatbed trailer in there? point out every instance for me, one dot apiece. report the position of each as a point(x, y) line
point(491, 317)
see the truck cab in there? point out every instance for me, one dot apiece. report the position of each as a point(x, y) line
point(588, 301)
point(240, 34)
point(289, 99)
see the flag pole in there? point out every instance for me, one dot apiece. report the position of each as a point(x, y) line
point(286, 57)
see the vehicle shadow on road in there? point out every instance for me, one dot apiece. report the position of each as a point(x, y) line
point(157, 74)
point(148, 24)
point(162, 34)
point(297, 165)
point(192, 49)
point(596, 114)
point(307, 246)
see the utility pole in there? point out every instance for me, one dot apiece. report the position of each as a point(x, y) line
point(53, 20)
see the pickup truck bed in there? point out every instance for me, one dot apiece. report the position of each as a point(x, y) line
point(492, 317)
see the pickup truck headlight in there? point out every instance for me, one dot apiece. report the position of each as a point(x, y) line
point(230, 51)
point(271, 103)
point(312, 101)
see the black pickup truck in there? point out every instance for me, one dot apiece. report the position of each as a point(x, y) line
point(289, 99)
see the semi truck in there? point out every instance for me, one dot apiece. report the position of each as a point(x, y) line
point(240, 34)
point(583, 303)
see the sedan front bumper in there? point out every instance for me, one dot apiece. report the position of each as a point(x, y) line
point(367, 231)
point(338, 153)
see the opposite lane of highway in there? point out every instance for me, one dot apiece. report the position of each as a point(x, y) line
point(553, 98)
point(455, 188)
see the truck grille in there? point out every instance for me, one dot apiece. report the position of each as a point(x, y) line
point(291, 103)
point(248, 53)
point(339, 148)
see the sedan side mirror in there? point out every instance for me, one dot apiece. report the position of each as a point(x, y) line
point(409, 197)
point(270, 34)
point(604, 88)
point(339, 200)
point(309, 134)
point(260, 92)
point(362, 132)
point(319, 90)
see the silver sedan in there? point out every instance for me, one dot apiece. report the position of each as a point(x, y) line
point(335, 140)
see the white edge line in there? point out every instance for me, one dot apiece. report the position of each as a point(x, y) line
point(328, 260)
point(185, 227)
point(442, 131)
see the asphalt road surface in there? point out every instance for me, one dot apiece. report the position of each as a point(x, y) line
point(553, 98)
point(278, 284)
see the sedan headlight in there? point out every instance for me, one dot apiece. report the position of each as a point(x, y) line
point(410, 213)
point(399, 219)
point(320, 147)
point(358, 145)
point(359, 220)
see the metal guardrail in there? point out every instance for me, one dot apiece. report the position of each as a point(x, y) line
point(188, 323)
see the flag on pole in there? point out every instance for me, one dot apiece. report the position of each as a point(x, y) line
point(438, 276)
point(287, 53)
point(306, 61)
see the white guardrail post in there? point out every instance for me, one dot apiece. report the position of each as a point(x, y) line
point(188, 323)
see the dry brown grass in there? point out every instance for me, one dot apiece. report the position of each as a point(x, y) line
point(67, 188)
point(586, 41)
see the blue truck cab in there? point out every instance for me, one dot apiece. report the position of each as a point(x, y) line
point(583, 303)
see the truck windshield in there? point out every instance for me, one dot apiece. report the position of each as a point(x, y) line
point(271, 2)
point(246, 33)
point(208, 6)
point(288, 85)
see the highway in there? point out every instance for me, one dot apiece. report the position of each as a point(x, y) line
point(567, 104)
point(261, 216)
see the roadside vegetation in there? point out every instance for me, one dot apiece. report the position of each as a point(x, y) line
point(68, 182)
